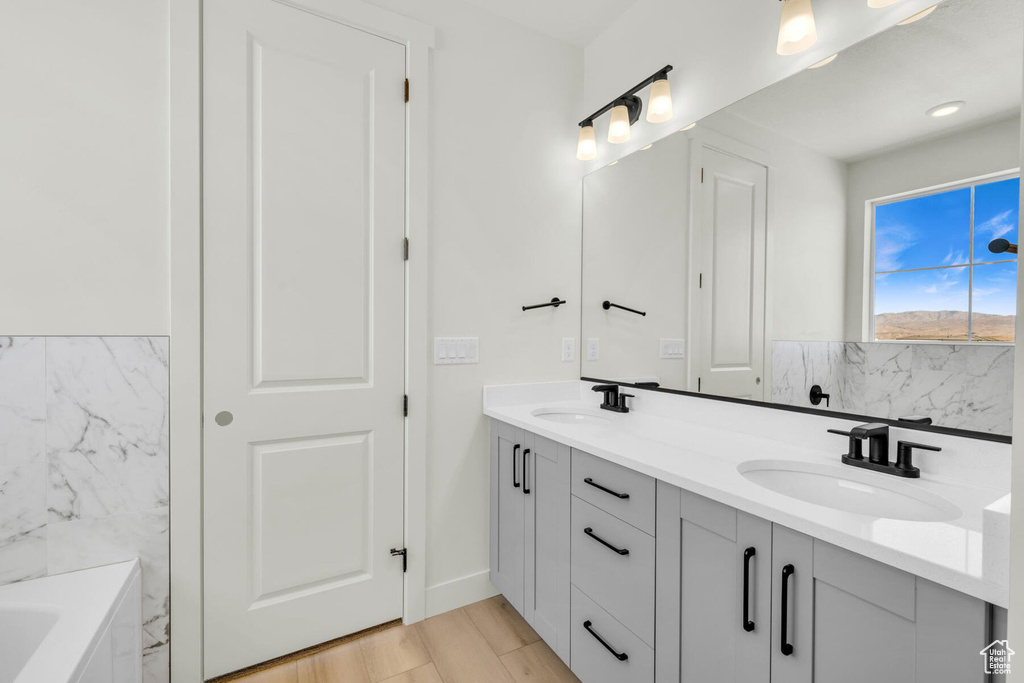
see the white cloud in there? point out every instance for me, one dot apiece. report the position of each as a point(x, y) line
point(997, 226)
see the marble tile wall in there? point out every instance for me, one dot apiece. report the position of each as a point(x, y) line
point(962, 386)
point(84, 466)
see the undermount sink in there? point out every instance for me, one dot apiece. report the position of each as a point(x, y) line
point(853, 491)
point(575, 416)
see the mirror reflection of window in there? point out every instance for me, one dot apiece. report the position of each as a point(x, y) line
point(935, 277)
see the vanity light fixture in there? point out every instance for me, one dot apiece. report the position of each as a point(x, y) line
point(824, 62)
point(877, 4)
point(586, 149)
point(918, 17)
point(797, 31)
point(625, 111)
point(945, 109)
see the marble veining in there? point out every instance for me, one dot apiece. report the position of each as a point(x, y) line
point(957, 385)
point(84, 446)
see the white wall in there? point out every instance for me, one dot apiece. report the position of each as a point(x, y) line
point(806, 233)
point(968, 154)
point(84, 182)
point(636, 253)
point(721, 51)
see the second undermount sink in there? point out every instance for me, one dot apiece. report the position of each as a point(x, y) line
point(854, 491)
point(576, 416)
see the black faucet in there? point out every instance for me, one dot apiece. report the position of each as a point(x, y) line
point(877, 436)
point(613, 400)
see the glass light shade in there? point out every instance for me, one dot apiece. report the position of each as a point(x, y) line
point(877, 4)
point(917, 17)
point(618, 129)
point(797, 31)
point(659, 104)
point(587, 147)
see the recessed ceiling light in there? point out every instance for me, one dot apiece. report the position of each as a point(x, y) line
point(827, 60)
point(647, 147)
point(689, 127)
point(919, 16)
point(945, 109)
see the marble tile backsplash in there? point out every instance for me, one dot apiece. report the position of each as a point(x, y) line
point(84, 466)
point(957, 385)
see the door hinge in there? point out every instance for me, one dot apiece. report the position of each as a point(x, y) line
point(406, 249)
point(701, 170)
point(700, 281)
point(405, 558)
point(405, 405)
point(407, 90)
point(698, 385)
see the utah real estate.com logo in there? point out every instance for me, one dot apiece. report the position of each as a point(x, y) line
point(997, 657)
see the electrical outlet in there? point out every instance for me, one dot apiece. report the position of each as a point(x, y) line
point(592, 348)
point(568, 348)
point(673, 348)
point(456, 350)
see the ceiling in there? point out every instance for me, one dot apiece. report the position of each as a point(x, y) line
point(874, 96)
point(576, 22)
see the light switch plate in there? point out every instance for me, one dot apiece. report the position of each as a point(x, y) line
point(593, 346)
point(456, 350)
point(568, 348)
point(673, 348)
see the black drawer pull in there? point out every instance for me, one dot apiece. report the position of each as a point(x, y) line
point(590, 532)
point(787, 647)
point(748, 624)
point(621, 656)
point(622, 496)
point(526, 478)
point(515, 472)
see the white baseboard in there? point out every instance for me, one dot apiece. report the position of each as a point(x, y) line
point(459, 592)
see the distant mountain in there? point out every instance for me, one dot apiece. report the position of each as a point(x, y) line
point(943, 326)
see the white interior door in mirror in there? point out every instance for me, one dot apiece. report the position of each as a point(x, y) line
point(304, 167)
point(730, 248)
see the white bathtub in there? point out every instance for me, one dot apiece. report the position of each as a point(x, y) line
point(79, 627)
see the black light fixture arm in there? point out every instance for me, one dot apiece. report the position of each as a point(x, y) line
point(628, 96)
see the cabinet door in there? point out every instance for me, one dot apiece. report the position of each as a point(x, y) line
point(507, 512)
point(792, 648)
point(726, 561)
point(546, 490)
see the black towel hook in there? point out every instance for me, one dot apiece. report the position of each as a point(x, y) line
point(608, 304)
point(556, 302)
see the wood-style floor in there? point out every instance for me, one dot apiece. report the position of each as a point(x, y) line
point(486, 642)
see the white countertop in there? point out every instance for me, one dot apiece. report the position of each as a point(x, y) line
point(704, 459)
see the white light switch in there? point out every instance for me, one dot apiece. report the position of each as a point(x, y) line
point(456, 350)
point(568, 348)
point(673, 348)
point(592, 348)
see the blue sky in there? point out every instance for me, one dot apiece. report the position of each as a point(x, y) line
point(935, 231)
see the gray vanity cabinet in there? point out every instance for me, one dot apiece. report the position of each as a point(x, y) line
point(848, 619)
point(530, 528)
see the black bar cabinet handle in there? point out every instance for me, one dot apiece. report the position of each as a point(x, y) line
point(526, 478)
point(748, 624)
point(590, 532)
point(621, 496)
point(515, 471)
point(556, 302)
point(787, 647)
point(608, 304)
point(621, 656)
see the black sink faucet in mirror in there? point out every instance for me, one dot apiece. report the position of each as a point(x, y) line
point(613, 400)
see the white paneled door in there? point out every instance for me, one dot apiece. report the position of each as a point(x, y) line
point(731, 257)
point(304, 220)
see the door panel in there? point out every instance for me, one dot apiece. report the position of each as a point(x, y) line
point(790, 548)
point(731, 234)
point(507, 571)
point(304, 153)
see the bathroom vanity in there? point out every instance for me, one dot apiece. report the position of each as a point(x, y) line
point(660, 545)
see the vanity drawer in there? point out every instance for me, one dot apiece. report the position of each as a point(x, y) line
point(613, 563)
point(616, 489)
point(591, 661)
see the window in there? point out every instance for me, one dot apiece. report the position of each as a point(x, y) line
point(935, 278)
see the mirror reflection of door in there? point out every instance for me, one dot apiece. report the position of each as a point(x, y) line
point(730, 260)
